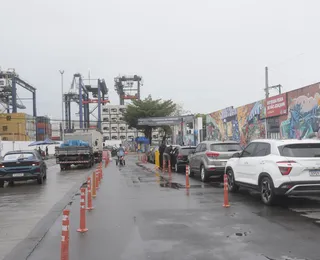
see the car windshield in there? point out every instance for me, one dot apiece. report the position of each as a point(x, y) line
point(300, 150)
point(187, 151)
point(18, 156)
point(225, 147)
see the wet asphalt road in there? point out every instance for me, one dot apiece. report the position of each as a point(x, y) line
point(140, 215)
point(27, 210)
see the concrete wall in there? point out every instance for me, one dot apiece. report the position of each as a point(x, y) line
point(6, 146)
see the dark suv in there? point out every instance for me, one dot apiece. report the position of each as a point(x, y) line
point(22, 165)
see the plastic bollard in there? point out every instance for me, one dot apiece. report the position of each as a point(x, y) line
point(65, 235)
point(225, 192)
point(187, 177)
point(82, 227)
point(97, 179)
point(89, 207)
point(94, 185)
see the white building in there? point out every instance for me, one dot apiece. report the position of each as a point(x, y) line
point(115, 128)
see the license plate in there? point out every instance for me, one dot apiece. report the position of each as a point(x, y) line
point(314, 173)
point(17, 175)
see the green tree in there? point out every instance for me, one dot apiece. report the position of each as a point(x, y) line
point(148, 108)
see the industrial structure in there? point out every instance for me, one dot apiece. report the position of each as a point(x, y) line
point(9, 99)
point(84, 95)
point(128, 87)
point(115, 128)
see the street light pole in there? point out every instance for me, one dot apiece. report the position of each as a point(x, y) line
point(62, 112)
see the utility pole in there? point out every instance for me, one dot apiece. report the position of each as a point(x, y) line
point(62, 112)
point(267, 87)
point(266, 82)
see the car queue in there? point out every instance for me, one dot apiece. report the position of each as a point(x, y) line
point(274, 168)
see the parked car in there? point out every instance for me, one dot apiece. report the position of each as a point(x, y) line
point(22, 165)
point(210, 157)
point(276, 168)
point(180, 157)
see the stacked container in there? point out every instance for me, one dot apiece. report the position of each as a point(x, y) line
point(17, 127)
point(43, 128)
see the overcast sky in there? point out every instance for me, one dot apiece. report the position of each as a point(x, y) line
point(205, 54)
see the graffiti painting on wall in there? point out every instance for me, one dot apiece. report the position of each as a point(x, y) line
point(251, 119)
point(303, 119)
point(241, 124)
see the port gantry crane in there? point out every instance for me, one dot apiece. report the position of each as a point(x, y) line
point(80, 93)
point(124, 86)
point(9, 80)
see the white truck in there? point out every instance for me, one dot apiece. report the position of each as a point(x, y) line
point(93, 137)
point(75, 153)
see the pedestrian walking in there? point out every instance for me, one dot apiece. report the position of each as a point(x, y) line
point(167, 155)
point(47, 151)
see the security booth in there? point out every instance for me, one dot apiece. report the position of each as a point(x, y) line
point(183, 129)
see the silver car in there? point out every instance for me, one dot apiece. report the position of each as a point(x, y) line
point(210, 158)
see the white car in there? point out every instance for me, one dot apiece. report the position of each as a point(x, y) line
point(276, 168)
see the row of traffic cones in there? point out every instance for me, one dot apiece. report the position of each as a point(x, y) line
point(87, 193)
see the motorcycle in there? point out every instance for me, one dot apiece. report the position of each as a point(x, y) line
point(121, 161)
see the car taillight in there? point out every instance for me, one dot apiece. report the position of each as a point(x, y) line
point(1, 165)
point(180, 156)
point(36, 164)
point(285, 167)
point(212, 154)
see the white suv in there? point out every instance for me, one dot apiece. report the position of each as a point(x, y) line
point(276, 167)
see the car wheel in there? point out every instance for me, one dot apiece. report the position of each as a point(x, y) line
point(45, 175)
point(267, 191)
point(190, 172)
point(203, 174)
point(1, 184)
point(11, 183)
point(232, 186)
point(61, 167)
point(40, 179)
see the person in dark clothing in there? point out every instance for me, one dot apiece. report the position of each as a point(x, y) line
point(47, 151)
point(161, 151)
point(167, 155)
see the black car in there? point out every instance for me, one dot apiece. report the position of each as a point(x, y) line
point(179, 158)
point(22, 165)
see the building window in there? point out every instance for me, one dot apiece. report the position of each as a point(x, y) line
point(5, 128)
point(105, 119)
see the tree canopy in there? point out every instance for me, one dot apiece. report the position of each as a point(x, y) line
point(148, 108)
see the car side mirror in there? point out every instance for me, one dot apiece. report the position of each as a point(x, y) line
point(236, 155)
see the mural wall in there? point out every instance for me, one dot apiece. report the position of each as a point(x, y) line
point(303, 118)
point(241, 124)
point(298, 115)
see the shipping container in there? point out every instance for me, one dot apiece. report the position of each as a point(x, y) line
point(42, 125)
